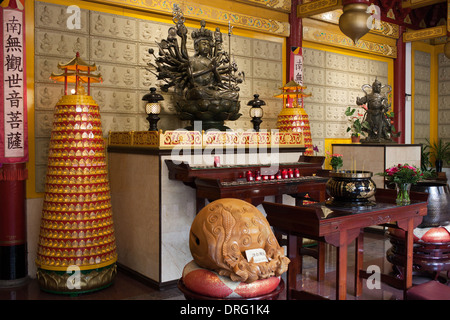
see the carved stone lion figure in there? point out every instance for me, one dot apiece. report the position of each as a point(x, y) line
point(222, 232)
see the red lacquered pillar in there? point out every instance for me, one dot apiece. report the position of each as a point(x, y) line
point(13, 242)
point(294, 40)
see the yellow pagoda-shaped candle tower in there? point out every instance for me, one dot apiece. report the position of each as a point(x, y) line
point(293, 117)
point(76, 248)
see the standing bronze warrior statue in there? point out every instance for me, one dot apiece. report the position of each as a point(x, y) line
point(205, 85)
point(377, 115)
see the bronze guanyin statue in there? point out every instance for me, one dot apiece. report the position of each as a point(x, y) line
point(377, 114)
point(206, 84)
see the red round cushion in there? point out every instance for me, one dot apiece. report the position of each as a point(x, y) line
point(209, 283)
point(438, 234)
point(432, 235)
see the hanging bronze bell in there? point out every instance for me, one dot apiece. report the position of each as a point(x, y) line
point(353, 21)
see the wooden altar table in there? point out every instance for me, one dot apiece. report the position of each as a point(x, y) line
point(254, 192)
point(212, 183)
point(339, 226)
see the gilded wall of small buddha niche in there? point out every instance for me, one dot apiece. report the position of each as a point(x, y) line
point(422, 66)
point(444, 98)
point(119, 46)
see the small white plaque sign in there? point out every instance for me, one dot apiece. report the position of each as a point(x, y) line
point(258, 255)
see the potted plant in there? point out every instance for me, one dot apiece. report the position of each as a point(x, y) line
point(425, 163)
point(440, 152)
point(356, 124)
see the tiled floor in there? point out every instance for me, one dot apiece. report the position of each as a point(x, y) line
point(127, 288)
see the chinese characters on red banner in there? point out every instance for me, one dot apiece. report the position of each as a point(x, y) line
point(298, 69)
point(14, 135)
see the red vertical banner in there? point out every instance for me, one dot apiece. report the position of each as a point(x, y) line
point(297, 65)
point(13, 144)
point(13, 107)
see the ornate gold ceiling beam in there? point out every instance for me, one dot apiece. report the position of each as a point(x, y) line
point(309, 9)
point(423, 34)
point(279, 5)
point(325, 33)
point(387, 29)
point(212, 14)
point(413, 4)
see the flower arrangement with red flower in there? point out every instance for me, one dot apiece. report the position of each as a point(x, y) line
point(336, 161)
point(403, 173)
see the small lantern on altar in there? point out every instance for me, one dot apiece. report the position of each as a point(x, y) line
point(256, 112)
point(293, 117)
point(153, 108)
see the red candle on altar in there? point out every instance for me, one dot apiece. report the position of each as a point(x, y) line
point(278, 175)
point(216, 161)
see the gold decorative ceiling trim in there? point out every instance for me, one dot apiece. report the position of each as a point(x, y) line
point(207, 13)
point(339, 40)
point(413, 4)
point(278, 5)
point(387, 29)
point(423, 34)
point(448, 15)
point(308, 9)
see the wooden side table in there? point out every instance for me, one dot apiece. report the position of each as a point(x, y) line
point(339, 226)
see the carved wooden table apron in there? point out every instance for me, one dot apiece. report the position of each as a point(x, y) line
point(339, 227)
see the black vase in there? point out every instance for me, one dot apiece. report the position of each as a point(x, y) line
point(438, 203)
point(438, 164)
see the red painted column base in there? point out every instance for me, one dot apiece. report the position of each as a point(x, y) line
point(13, 244)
